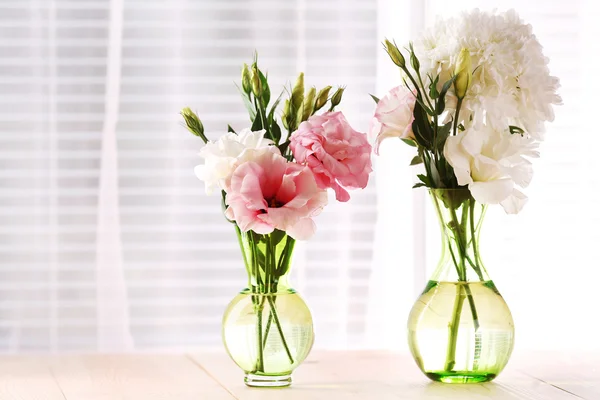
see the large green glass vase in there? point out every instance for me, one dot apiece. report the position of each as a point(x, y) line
point(460, 329)
point(267, 327)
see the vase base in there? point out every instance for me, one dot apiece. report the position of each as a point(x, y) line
point(253, 380)
point(460, 377)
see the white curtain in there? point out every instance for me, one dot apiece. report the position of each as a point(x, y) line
point(108, 242)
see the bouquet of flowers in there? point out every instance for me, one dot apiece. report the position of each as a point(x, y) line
point(476, 94)
point(273, 178)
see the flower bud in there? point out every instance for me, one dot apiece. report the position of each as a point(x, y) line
point(193, 123)
point(336, 98)
point(246, 81)
point(322, 98)
point(256, 83)
point(395, 54)
point(462, 71)
point(308, 105)
point(286, 114)
point(414, 61)
point(297, 94)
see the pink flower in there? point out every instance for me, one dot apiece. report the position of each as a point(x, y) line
point(268, 192)
point(393, 116)
point(339, 156)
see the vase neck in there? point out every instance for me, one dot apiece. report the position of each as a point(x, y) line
point(267, 259)
point(461, 218)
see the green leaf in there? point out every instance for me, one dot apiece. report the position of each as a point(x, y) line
point(230, 129)
point(275, 132)
point(247, 103)
point(283, 147)
point(425, 107)
point(424, 179)
point(442, 135)
point(433, 92)
point(416, 160)
point(409, 142)
point(266, 92)
point(421, 127)
point(276, 237)
point(441, 103)
point(270, 118)
point(375, 98)
point(418, 185)
point(257, 124)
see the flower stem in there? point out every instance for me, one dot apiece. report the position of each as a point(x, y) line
point(453, 328)
point(460, 232)
point(261, 360)
point(458, 106)
point(276, 318)
point(267, 329)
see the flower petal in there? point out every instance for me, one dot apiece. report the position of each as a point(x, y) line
point(491, 192)
point(514, 203)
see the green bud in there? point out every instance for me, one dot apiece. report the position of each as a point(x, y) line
point(193, 123)
point(336, 98)
point(462, 70)
point(246, 80)
point(414, 61)
point(286, 114)
point(308, 105)
point(256, 83)
point(322, 98)
point(395, 54)
point(297, 93)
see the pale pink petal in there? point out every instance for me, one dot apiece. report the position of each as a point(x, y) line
point(303, 229)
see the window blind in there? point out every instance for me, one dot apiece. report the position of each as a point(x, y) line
point(107, 240)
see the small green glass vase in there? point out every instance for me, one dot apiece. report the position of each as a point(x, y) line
point(267, 328)
point(460, 329)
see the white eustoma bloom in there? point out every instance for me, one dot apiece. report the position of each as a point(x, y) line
point(221, 157)
point(492, 163)
point(511, 82)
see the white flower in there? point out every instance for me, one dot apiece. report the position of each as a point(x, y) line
point(492, 163)
point(221, 157)
point(511, 82)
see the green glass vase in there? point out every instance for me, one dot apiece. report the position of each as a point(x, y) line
point(460, 329)
point(267, 327)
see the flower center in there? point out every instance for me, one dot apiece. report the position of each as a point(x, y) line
point(274, 203)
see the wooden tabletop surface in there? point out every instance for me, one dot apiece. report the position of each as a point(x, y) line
point(323, 376)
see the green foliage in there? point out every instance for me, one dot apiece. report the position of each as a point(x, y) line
point(409, 142)
point(442, 134)
point(433, 92)
point(441, 103)
point(375, 99)
point(416, 160)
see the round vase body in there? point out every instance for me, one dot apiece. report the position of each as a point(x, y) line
point(460, 330)
point(267, 328)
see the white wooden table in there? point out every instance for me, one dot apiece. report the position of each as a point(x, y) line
point(324, 376)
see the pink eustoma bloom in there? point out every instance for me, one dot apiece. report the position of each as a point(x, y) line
point(267, 192)
point(339, 156)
